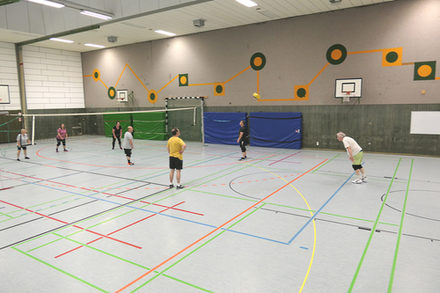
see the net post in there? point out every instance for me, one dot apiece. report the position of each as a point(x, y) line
point(166, 116)
point(194, 115)
point(33, 129)
point(202, 129)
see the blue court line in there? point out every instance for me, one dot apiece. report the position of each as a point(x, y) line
point(303, 247)
point(160, 214)
point(318, 211)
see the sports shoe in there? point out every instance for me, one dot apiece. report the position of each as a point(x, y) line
point(18, 159)
point(242, 158)
point(130, 164)
point(364, 179)
point(27, 158)
point(57, 150)
point(65, 150)
point(357, 181)
point(179, 186)
point(171, 185)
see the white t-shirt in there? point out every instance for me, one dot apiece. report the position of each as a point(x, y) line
point(349, 142)
point(23, 137)
point(127, 137)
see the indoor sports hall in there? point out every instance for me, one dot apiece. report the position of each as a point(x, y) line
point(219, 146)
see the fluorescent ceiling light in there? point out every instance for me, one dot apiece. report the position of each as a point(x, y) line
point(165, 33)
point(247, 3)
point(48, 3)
point(96, 14)
point(61, 40)
point(95, 46)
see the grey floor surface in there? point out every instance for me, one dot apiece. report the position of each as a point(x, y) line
point(281, 221)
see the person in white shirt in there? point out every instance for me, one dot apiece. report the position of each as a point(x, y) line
point(355, 154)
point(128, 144)
point(22, 142)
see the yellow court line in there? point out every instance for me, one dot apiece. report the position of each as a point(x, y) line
point(199, 84)
point(258, 82)
point(366, 51)
point(314, 226)
point(247, 68)
point(103, 83)
point(319, 73)
point(121, 75)
point(145, 87)
point(167, 84)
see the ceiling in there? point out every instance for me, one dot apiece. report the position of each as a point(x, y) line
point(218, 14)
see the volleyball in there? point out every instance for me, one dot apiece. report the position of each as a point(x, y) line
point(256, 96)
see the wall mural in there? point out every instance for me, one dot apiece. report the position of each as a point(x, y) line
point(335, 55)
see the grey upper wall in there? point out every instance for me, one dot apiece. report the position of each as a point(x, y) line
point(295, 50)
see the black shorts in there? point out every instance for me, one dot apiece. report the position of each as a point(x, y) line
point(127, 152)
point(59, 141)
point(176, 163)
point(21, 147)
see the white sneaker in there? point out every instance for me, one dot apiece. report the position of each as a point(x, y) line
point(357, 181)
point(364, 179)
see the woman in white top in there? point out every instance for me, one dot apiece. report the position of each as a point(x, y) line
point(22, 142)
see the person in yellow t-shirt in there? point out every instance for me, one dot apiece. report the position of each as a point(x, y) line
point(176, 147)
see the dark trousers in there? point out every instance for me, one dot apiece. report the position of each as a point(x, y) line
point(119, 141)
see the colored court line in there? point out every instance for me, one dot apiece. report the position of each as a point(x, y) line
point(319, 210)
point(120, 229)
point(6, 188)
point(331, 159)
point(396, 251)
point(6, 215)
point(292, 207)
point(134, 209)
point(196, 249)
point(373, 230)
point(284, 158)
point(64, 222)
point(129, 261)
point(216, 229)
point(60, 270)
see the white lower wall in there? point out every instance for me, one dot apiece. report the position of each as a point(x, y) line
point(53, 78)
point(9, 76)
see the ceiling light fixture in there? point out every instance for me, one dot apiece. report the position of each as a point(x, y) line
point(96, 14)
point(94, 46)
point(48, 3)
point(61, 40)
point(162, 32)
point(247, 3)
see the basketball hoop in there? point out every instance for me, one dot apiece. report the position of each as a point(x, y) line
point(346, 97)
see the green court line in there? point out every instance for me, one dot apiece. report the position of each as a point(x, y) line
point(373, 230)
point(331, 159)
point(390, 284)
point(174, 194)
point(6, 215)
point(60, 270)
point(292, 207)
point(129, 261)
point(199, 247)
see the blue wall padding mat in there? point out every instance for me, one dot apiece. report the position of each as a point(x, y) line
point(276, 129)
point(222, 127)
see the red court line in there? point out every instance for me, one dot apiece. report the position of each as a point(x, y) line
point(284, 158)
point(6, 188)
point(106, 193)
point(216, 229)
point(138, 221)
point(64, 222)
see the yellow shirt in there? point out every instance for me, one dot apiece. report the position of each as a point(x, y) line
point(175, 145)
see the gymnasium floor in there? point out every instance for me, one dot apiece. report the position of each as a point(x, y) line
point(282, 221)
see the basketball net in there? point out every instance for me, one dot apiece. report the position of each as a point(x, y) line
point(346, 97)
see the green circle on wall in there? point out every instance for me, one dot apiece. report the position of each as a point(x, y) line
point(111, 92)
point(219, 89)
point(336, 54)
point(258, 61)
point(152, 96)
point(392, 57)
point(301, 92)
point(96, 74)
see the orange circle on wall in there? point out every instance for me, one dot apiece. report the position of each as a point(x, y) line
point(424, 70)
point(258, 61)
point(336, 54)
point(112, 92)
point(183, 79)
